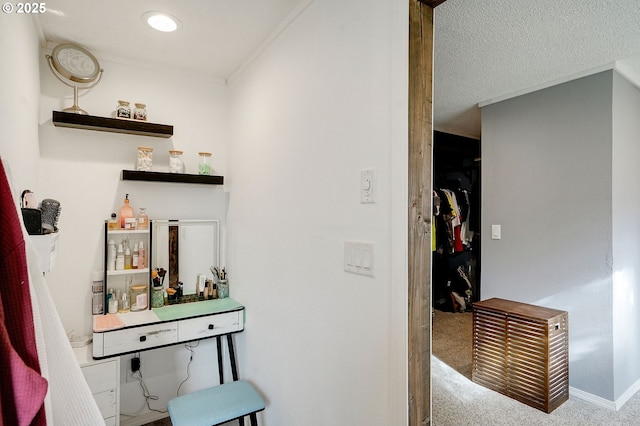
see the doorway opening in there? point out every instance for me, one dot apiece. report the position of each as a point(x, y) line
point(456, 247)
point(456, 220)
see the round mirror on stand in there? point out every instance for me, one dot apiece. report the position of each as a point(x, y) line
point(74, 65)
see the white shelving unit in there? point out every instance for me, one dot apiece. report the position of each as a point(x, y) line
point(124, 278)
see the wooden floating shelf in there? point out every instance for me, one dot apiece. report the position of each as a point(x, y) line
point(114, 125)
point(171, 177)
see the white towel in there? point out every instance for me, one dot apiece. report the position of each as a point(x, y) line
point(69, 400)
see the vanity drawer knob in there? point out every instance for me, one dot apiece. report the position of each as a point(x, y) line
point(210, 326)
point(143, 338)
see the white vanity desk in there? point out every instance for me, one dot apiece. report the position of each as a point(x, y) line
point(118, 334)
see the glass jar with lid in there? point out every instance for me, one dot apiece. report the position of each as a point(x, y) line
point(145, 159)
point(204, 168)
point(176, 165)
point(123, 110)
point(139, 297)
point(140, 112)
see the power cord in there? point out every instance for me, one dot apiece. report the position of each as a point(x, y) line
point(191, 348)
point(145, 391)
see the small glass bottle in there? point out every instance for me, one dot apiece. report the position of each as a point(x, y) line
point(123, 110)
point(204, 168)
point(145, 159)
point(140, 112)
point(124, 306)
point(112, 223)
point(134, 257)
point(128, 258)
point(143, 219)
point(176, 165)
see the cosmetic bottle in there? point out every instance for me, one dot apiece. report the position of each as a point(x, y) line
point(134, 257)
point(141, 256)
point(125, 212)
point(113, 222)
point(124, 306)
point(97, 287)
point(143, 219)
point(112, 302)
point(111, 255)
point(120, 258)
point(127, 258)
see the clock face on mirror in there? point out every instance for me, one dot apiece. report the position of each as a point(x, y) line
point(75, 63)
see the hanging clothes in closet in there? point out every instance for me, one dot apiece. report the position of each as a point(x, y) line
point(451, 238)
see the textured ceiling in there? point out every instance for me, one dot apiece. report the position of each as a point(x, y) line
point(491, 48)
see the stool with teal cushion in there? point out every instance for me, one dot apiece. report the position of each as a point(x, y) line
point(218, 404)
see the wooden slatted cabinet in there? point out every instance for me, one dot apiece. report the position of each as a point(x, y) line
point(522, 351)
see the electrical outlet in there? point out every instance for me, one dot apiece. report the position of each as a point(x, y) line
point(132, 366)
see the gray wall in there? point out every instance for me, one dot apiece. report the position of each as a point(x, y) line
point(626, 231)
point(547, 180)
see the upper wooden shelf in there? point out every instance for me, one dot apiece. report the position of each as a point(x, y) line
point(172, 177)
point(115, 125)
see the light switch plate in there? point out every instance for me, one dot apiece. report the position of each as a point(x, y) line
point(358, 257)
point(496, 232)
point(367, 186)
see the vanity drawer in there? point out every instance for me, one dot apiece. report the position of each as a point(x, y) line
point(101, 376)
point(211, 325)
point(106, 402)
point(140, 338)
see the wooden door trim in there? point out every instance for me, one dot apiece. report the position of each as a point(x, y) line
point(420, 209)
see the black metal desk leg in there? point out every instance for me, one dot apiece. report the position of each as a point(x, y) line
point(220, 370)
point(232, 357)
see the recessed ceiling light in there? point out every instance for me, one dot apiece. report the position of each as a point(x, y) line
point(161, 21)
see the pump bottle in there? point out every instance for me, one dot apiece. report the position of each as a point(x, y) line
point(125, 212)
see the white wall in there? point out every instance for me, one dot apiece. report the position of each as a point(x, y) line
point(626, 244)
point(559, 175)
point(19, 101)
point(82, 170)
point(327, 100)
point(308, 116)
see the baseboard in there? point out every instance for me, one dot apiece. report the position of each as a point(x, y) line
point(629, 393)
point(596, 400)
point(142, 419)
point(605, 403)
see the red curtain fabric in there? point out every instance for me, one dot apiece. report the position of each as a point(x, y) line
point(22, 387)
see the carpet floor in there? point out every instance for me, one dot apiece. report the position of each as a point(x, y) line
point(457, 401)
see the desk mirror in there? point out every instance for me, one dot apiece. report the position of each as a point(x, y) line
point(185, 249)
